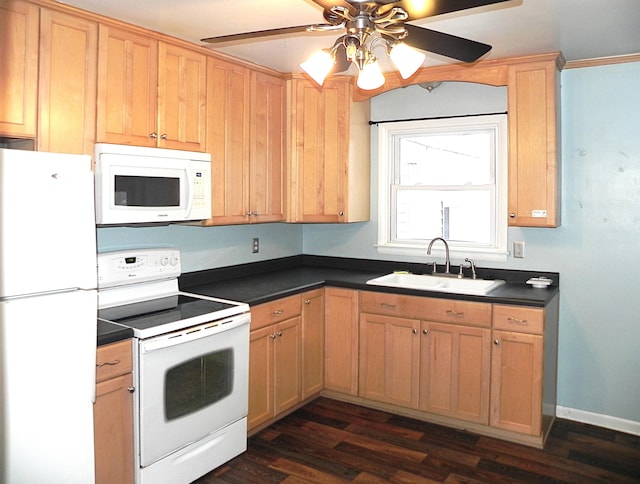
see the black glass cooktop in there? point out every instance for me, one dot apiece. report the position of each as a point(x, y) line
point(165, 310)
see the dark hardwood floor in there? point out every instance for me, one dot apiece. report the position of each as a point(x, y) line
point(329, 441)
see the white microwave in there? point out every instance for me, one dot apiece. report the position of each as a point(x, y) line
point(137, 185)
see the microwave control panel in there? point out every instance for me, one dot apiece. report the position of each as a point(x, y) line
point(137, 265)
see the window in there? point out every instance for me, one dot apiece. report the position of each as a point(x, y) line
point(444, 178)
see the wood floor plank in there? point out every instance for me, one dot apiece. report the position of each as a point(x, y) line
point(333, 442)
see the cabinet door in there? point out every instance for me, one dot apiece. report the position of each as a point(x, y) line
point(181, 98)
point(454, 371)
point(288, 364)
point(228, 115)
point(113, 424)
point(533, 145)
point(261, 377)
point(266, 197)
point(67, 83)
point(127, 88)
point(516, 382)
point(312, 343)
point(18, 68)
point(389, 359)
point(320, 145)
point(341, 340)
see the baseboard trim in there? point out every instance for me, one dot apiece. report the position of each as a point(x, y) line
point(605, 421)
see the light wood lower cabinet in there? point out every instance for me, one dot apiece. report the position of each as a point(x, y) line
point(312, 343)
point(113, 414)
point(341, 340)
point(524, 368)
point(389, 359)
point(455, 369)
point(275, 359)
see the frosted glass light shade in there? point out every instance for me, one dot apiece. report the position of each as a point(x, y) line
point(370, 76)
point(406, 59)
point(318, 65)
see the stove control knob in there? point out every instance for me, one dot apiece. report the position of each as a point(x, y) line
point(174, 261)
point(164, 260)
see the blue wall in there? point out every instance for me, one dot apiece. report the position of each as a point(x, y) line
point(596, 250)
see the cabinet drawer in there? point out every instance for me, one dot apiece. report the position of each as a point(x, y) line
point(113, 360)
point(396, 305)
point(518, 319)
point(275, 311)
point(458, 312)
point(427, 308)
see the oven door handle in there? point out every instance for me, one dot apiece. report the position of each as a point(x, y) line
point(194, 333)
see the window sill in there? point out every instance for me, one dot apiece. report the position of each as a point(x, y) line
point(455, 254)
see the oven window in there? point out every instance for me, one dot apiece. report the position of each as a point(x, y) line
point(147, 191)
point(198, 383)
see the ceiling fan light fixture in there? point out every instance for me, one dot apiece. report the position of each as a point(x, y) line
point(406, 59)
point(319, 65)
point(370, 77)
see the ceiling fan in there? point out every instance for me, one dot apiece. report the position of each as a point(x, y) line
point(370, 22)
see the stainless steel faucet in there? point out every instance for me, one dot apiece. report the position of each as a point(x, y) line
point(446, 252)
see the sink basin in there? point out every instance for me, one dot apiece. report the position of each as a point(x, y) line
point(476, 287)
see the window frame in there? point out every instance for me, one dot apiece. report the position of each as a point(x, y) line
point(388, 132)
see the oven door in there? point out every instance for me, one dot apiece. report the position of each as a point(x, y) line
point(191, 384)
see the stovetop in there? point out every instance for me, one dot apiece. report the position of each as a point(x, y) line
point(138, 289)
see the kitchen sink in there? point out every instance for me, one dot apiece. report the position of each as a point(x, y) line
point(476, 287)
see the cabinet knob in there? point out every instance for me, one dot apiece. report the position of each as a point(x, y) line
point(425, 331)
point(131, 389)
point(273, 336)
point(153, 135)
point(512, 215)
point(415, 331)
point(164, 136)
point(307, 301)
point(277, 312)
point(496, 342)
point(279, 333)
point(341, 213)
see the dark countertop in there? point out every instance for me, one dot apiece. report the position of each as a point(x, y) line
point(260, 282)
point(110, 333)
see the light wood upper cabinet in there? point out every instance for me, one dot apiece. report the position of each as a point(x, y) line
point(266, 154)
point(329, 151)
point(127, 87)
point(67, 83)
point(182, 75)
point(228, 118)
point(534, 174)
point(245, 136)
point(18, 68)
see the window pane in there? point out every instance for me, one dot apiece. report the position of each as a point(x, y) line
point(460, 215)
point(462, 158)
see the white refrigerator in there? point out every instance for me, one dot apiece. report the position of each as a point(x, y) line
point(48, 304)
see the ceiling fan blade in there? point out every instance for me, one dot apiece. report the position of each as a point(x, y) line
point(418, 9)
point(445, 44)
point(256, 34)
point(327, 4)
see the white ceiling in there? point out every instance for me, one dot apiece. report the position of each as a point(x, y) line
point(580, 29)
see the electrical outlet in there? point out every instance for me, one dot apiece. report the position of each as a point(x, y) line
point(518, 250)
point(256, 245)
